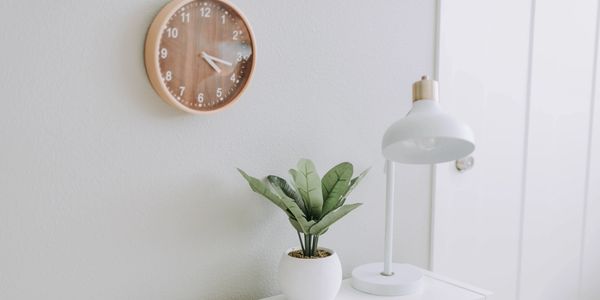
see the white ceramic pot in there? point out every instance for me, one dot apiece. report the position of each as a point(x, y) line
point(310, 279)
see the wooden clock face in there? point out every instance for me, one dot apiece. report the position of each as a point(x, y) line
point(199, 54)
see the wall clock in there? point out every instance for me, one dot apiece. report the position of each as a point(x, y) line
point(199, 55)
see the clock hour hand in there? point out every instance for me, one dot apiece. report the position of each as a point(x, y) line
point(210, 61)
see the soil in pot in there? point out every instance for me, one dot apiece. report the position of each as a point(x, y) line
point(320, 254)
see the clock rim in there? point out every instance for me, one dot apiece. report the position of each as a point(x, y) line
point(152, 62)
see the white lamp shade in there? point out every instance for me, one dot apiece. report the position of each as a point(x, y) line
point(427, 135)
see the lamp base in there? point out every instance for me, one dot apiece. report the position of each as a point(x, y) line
point(406, 280)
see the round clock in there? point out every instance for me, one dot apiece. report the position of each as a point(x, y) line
point(199, 54)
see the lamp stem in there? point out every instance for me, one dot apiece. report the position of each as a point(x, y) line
point(389, 218)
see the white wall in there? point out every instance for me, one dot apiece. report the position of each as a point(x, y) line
point(524, 221)
point(108, 193)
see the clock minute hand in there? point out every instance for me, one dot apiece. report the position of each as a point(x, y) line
point(209, 59)
point(218, 59)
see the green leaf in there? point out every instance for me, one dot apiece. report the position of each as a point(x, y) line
point(296, 225)
point(340, 203)
point(295, 213)
point(298, 214)
point(308, 184)
point(355, 181)
point(334, 185)
point(284, 189)
point(295, 174)
point(260, 188)
point(300, 226)
point(331, 218)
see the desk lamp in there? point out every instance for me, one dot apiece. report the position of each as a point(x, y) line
point(426, 135)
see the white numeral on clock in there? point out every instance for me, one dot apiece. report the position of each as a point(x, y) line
point(219, 92)
point(181, 90)
point(232, 78)
point(222, 19)
point(185, 17)
point(236, 34)
point(172, 32)
point(169, 76)
point(200, 98)
point(205, 12)
point(164, 53)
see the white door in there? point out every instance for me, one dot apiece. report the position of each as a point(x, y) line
point(522, 74)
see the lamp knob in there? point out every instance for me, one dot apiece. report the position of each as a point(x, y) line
point(425, 89)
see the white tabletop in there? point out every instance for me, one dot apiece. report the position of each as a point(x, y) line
point(436, 288)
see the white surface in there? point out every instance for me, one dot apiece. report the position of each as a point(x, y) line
point(480, 214)
point(106, 192)
point(323, 276)
point(435, 288)
point(484, 69)
point(403, 279)
point(427, 135)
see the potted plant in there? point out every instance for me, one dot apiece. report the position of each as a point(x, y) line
point(311, 205)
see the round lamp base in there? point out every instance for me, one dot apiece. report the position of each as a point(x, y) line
point(406, 280)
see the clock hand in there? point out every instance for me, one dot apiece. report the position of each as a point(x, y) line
point(219, 60)
point(210, 61)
